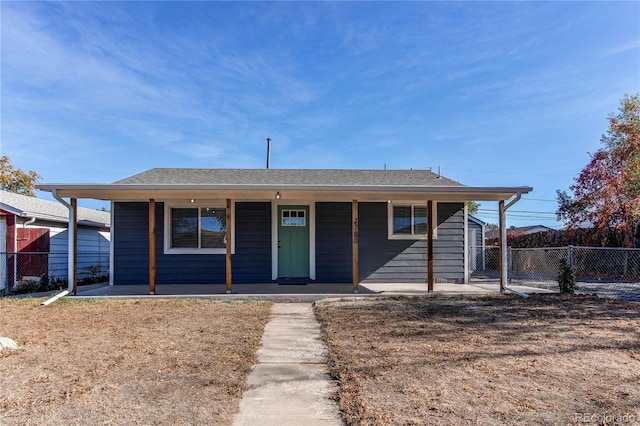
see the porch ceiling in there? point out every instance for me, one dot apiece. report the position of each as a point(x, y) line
point(409, 193)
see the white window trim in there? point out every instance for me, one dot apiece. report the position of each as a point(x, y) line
point(201, 203)
point(274, 235)
point(392, 236)
point(281, 218)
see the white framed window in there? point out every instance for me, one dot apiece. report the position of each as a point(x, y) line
point(409, 221)
point(293, 218)
point(200, 229)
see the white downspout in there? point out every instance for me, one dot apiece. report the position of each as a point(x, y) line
point(111, 245)
point(503, 242)
point(31, 221)
point(483, 248)
point(467, 244)
point(72, 218)
point(54, 298)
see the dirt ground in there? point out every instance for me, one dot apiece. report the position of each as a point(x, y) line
point(487, 360)
point(147, 362)
point(483, 360)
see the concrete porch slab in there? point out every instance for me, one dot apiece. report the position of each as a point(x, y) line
point(290, 293)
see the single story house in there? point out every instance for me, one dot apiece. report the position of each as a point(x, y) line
point(34, 239)
point(234, 226)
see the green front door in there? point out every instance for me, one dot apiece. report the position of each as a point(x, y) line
point(293, 241)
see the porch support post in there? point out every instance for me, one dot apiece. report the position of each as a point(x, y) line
point(152, 246)
point(503, 245)
point(228, 246)
point(430, 246)
point(73, 246)
point(354, 246)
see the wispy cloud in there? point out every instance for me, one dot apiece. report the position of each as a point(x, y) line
point(101, 70)
point(623, 48)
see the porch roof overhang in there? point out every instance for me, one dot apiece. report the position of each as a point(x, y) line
point(408, 193)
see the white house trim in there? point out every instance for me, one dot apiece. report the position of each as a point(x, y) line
point(274, 234)
point(168, 205)
point(112, 262)
point(392, 236)
point(466, 243)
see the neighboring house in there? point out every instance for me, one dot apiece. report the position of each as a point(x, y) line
point(493, 236)
point(34, 239)
point(199, 226)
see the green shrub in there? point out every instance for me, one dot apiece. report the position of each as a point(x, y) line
point(44, 284)
point(566, 278)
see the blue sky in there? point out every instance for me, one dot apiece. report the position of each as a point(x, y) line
point(493, 93)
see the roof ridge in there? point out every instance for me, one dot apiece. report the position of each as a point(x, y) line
point(368, 177)
point(283, 169)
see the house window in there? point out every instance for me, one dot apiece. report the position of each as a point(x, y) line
point(408, 221)
point(293, 218)
point(201, 229)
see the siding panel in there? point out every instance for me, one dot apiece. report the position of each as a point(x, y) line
point(252, 259)
point(129, 234)
point(182, 268)
point(448, 248)
point(381, 259)
point(333, 242)
point(384, 260)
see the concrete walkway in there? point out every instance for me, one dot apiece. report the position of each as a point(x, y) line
point(290, 384)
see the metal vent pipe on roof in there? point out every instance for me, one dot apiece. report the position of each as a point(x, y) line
point(268, 153)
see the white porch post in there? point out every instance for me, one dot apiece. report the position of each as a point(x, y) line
point(72, 234)
point(503, 246)
point(467, 245)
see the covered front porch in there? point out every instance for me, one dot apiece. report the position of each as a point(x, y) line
point(360, 235)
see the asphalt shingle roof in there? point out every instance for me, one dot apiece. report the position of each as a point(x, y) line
point(288, 177)
point(50, 210)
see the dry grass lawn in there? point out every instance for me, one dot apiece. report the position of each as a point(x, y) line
point(148, 362)
point(486, 360)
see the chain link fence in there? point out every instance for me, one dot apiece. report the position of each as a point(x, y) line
point(607, 272)
point(26, 271)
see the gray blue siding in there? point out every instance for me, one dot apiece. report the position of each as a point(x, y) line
point(252, 258)
point(131, 257)
point(185, 268)
point(448, 248)
point(130, 242)
point(385, 260)
point(333, 242)
point(381, 259)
